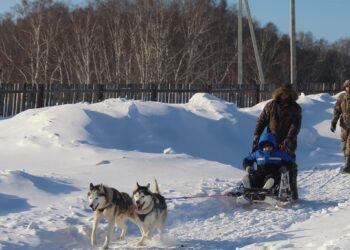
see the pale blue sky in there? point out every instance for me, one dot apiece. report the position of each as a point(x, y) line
point(6, 5)
point(328, 19)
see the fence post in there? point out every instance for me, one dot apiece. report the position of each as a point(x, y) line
point(24, 97)
point(154, 92)
point(101, 90)
point(2, 100)
point(210, 89)
point(257, 93)
point(40, 100)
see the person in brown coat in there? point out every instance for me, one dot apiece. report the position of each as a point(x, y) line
point(342, 111)
point(282, 117)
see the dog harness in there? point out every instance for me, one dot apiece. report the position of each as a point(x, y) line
point(115, 199)
point(143, 216)
point(157, 205)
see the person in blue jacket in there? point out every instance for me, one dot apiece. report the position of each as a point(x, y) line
point(270, 163)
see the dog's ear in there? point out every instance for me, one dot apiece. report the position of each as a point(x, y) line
point(91, 186)
point(148, 186)
point(137, 185)
point(101, 188)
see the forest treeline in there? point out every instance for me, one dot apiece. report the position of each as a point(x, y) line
point(153, 41)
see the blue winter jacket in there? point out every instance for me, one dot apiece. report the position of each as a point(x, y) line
point(268, 160)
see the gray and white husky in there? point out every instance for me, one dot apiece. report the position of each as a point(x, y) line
point(151, 210)
point(114, 206)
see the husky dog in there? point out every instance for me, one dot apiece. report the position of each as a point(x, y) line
point(115, 206)
point(151, 210)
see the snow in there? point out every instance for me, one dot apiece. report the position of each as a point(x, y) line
point(49, 156)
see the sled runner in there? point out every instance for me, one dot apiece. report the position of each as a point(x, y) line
point(278, 195)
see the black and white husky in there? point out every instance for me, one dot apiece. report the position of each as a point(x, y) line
point(151, 210)
point(114, 206)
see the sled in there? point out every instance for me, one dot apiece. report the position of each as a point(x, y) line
point(279, 195)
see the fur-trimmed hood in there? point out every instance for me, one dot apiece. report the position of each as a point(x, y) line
point(287, 89)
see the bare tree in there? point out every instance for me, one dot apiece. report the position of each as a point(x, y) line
point(84, 43)
point(7, 51)
point(152, 41)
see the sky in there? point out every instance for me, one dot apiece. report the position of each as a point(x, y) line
point(7, 5)
point(327, 19)
point(49, 157)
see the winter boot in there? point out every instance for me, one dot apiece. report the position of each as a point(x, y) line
point(346, 168)
point(293, 182)
point(269, 183)
point(246, 181)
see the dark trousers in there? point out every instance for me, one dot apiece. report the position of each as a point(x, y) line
point(259, 177)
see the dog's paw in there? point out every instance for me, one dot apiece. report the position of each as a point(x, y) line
point(104, 246)
point(122, 237)
point(141, 243)
point(93, 242)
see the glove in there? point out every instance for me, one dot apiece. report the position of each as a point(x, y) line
point(290, 145)
point(255, 142)
point(333, 127)
point(283, 169)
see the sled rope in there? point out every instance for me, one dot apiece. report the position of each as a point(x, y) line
point(329, 180)
point(196, 197)
point(308, 175)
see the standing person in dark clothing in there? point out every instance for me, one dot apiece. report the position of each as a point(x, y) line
point(342, 111)
point(282, 117)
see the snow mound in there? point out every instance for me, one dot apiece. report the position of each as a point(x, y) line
point(206, 127)
point(12, 204)
point(194, 150)
point(21, 179)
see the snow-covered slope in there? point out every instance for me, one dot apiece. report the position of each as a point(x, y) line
point(49, 156)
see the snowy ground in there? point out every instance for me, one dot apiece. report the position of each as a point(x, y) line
point(49, 156)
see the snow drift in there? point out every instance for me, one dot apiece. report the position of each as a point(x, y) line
point(50, 155)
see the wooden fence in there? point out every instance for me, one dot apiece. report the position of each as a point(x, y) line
point(15, 98)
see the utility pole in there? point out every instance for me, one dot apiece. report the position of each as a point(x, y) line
point(255, 47)
point(240, 45)
point(293, 60)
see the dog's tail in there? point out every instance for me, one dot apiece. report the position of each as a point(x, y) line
point(156, 188)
